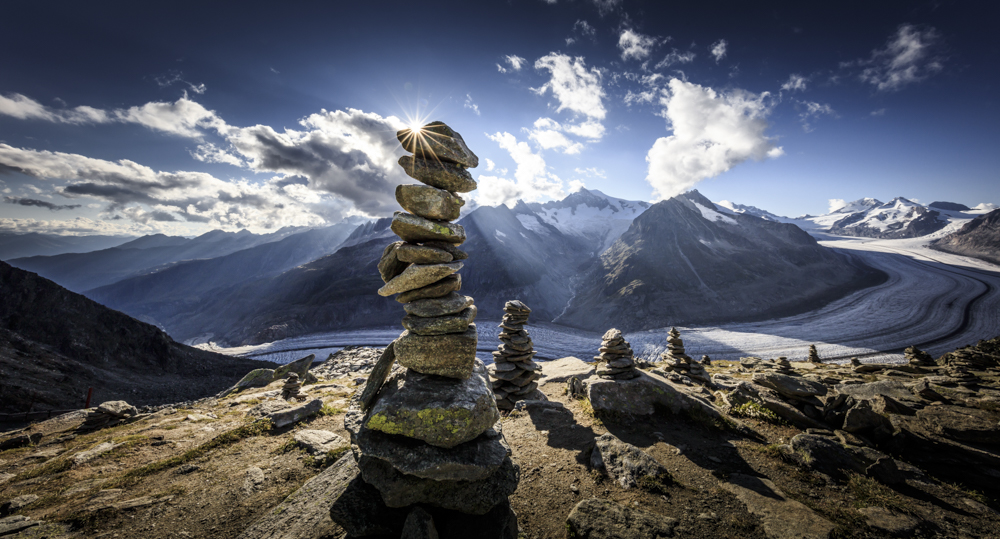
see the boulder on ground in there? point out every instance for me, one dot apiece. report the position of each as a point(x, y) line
point(318, 442)
point(627, 464)
point(640, 396)
point(594, 518)
point(790, 386)
point(117, 409)
point(289, 416)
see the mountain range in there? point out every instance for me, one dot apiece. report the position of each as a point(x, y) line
point(589, 260)
point(979, 238)
point(34, 244)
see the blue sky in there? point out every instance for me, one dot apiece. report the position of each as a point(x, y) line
point(180, 118)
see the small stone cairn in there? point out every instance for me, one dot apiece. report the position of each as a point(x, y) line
point(814, 355)
point(705, 360)
point(290, 390)
point(783, 366)
point(918, 358)
point(514, 373)
point(108, 414)
point(616, 361)
point(674, 359)
point(855, 362)
point(426, 435)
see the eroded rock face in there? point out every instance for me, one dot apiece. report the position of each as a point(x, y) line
point(433, 409)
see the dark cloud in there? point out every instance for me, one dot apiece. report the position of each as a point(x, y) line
point(39, 203)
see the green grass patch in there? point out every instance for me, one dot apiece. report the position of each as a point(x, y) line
point(329, 410)
point(870, 493)
point(753, 410)
point(248, 430)
point(657, 484)
point(51, 467)
point(771, 450)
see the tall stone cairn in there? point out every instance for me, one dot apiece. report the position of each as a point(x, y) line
point(427, 435)
point(674, 359)
point(615, 361)
point(514, 373)
point(814, 355)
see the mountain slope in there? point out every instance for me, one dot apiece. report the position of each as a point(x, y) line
point(54, 344)
point(84, 271)
point(172, 290)
point(587, 214)
point(683, 262)
point(35, 244)
point(979, 238)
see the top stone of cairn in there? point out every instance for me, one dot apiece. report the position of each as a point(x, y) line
point(437, 141)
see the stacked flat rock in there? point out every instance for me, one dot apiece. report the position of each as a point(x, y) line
point(814, 355)
point(783, 366)
point(425, 433)
point(615, 361)
point(855, 362)
point(705, 360)
point(674, 359)
point(514, 373)
point(961, 376)
point(108, 414)
point(918, 358)
point(290, 390)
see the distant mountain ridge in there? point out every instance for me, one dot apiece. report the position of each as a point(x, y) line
point(54, 344)
point(898, 218)
point(979, 238)
point(684, 262)
point(14, 245)
point(84, 271)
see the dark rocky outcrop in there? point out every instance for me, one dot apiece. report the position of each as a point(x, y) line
point(54, 344)
point(979, 238)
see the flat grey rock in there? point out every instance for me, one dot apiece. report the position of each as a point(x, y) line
point(626, 464)
point(781, 517)
point(318, 442)
point(418, 276)
point(640, 395)
point(790, 386)
point(289, 416)
point(603, 519)
point(452, 355)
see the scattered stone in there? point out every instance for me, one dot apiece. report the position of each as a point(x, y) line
point(253, 478)
point(429, 202)
point(289, 416)
point(318, 442)
point(602, 519)
point(628, 465)
point(781, 518)
point(640, 396)
point(185, 469)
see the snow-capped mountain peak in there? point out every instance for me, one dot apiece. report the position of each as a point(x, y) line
point(586, 213)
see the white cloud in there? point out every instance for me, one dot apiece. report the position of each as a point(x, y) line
point(515, 61)
point(501, 68)
point(877, 112)
point(712, 133)
point(547, 134)
point(575, 185)
point(588, 129)
point(812, 112)
point(146, 196)
point(718, 49)
point(25, 108)
point(585, 29)
point(172, 77)
point(532, 181)
point(210, 153)
point(575, 86)
point(184, 117)
point(635, 45)
point(675, 57)
point(795, 82)
point(570, 41)
point(836, 204)
point(470, 105)
point(591, 172)
point(490, 165)
point(985, 206)
point(908, 57)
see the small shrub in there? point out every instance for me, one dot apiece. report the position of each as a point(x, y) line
point(772, 450)
point(753, 410)
point(329, 410)
point(656, 484)
point(870, 493)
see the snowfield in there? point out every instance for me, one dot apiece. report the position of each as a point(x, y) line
point(934, 300)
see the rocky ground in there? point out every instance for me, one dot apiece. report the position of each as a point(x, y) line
point(804, 450)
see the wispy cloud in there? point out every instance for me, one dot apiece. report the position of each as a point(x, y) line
point(794, 82)
point(532, 181)
point(675, 57)
point(718, 49)
point(910, 55)
point(469, 104)
point(25, 108)
point(576, 87)
point(813, 111)
point(634, 45)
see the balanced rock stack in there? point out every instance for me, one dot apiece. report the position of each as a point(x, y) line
point(814, 355)
point(783, 366)
point(427, 436)
point(514, 373)
point(675, 358)
point(290, 390)
point(918, 358)
point(616, 361)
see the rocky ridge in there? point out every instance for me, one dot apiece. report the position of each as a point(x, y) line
point(979, 238)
